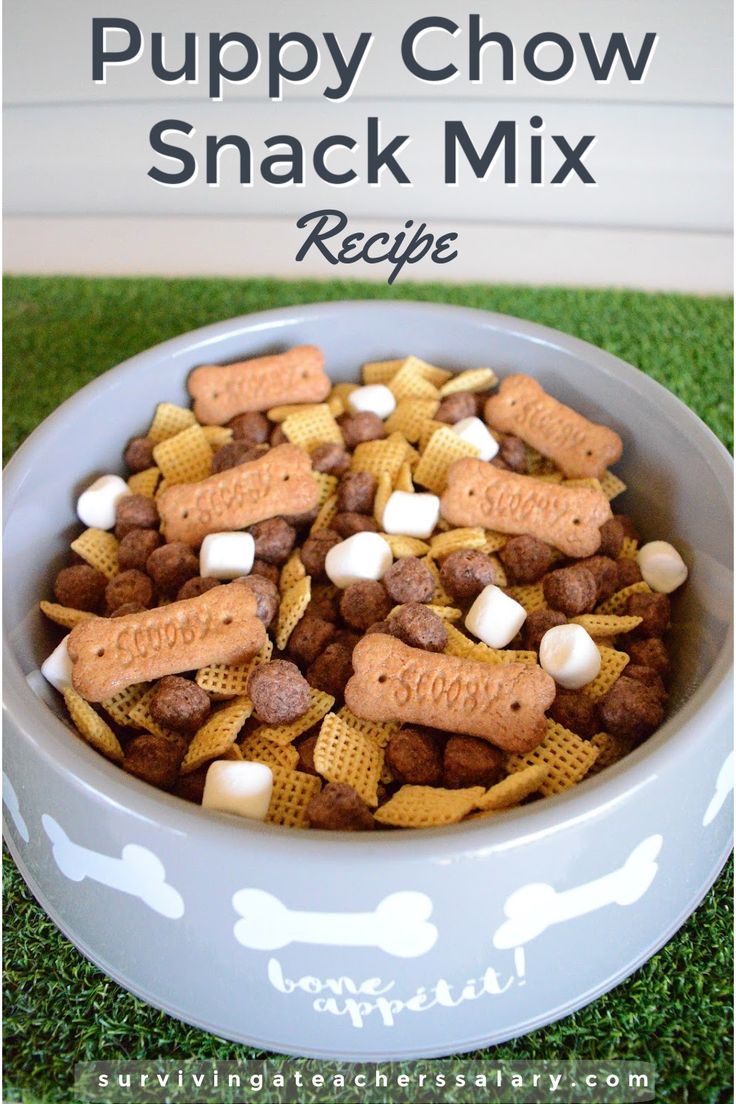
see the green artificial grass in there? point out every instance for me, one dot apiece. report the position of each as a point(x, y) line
point(62, 332)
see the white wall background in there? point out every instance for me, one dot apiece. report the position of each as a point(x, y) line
point(78, 198)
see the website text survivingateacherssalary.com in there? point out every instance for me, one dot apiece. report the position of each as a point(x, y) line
point(294, 58)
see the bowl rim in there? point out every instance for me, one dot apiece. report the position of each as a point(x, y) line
point(89, 772)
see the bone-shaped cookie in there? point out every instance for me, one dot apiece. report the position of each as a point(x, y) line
point(220, 391)
point(279, 483)
point(724, 785)
point(137, 872)
point(580, 448)
point(569, 518)
point(501, 703)
point(398, 925)
point(10, 800)
point(536, 907)
point(219, 626)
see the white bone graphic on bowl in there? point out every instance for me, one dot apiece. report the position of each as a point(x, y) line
point(724, 785)
point(138, 871)
point(398, 925)
point(536, 907)
point(10, 799)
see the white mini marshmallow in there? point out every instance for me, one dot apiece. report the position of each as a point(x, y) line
point(57, 668)
point(661, 566)
point(376, 398)
point(411, 515)
point(494, 617)
point(96, 506)
point(362, 556)
point(569, 654)
point(240, 788)
point(475, 432)
point(226, 555)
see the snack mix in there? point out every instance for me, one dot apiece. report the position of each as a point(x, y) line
point(397, 605)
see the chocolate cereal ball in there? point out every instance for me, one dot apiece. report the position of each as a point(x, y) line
point(536, 625)
point(234, 453)
point(310, 638)
point(135, 548)
point(278, 437)
point(135, 512)
point(357, 428)
point(274, 540)
point(315, 549)
point(414, 755)
point(628, 525)
point(171, 566)
point(303, 520)
point(419, 627)
point(612, 538)
point(630, 709)
point(651, 653)
point(364, 603)
point(252, 428)
point(456, 407)
point(128, 586)
point(340, 808)
point(512, 452)
point(279, 692)
point(571, 590)
point(526, 558)
point(355, 493)
point(627, 573)
point(305, 746)
point(576, 711)
point(138, 454)
point(179, 704)
point(267, 597)
point(649, 677)
point(349, 524)
point(331, 670)
point(128, 607)
point(153, 759)
point(654, 609)
point(269, 571)
point(192, 588)
point(409, 580)
point(325, 602)
point(469, 761)
point(80, 587)
point(465, 573)
point(330, 459)
point(605, 573)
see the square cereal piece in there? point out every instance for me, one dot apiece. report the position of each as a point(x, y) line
point(185, 458)
point(384, 491)
point(430, 372)
point(281, 413)
point(170, 420)
point(161, 488)
point(327, 512)
point(380, 456)
point(217, 436)
point(342, 391)
point(457, 643)
point(119, 705)
point(292, 792)
point(342, 754)
point(312, 426)
point(477, 380)
point(217, 734)
point(409, 417)
point(616, 604)
point(567, 758)
point(405, 546)
point(606, 624)
point(380, 732)
point(484, 654)
point(427, 806)
point(429, 429)
point(256, 749)
point(440, 596)
point(320, 703)
point(499, 572)
point(230, 680)
point(99, 549)
point(612, 486)
point(145, 482)
point(531, 596)
point(494, 541)
point(629, 549)
point(612, 666)
point(514, 788)
point(610, 750)
point(403, 481)
point(444, 448)
point(456, 540)
point(592, 483)
point(294, 602)
point(292, 571)
point(233, 753)
point(327, 486)
point(409, 383)
point(91, 726)
point(380, 371)
point(63, 615)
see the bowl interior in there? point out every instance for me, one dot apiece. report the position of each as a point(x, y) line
point(678, 475)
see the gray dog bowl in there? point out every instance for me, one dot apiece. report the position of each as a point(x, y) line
point(394, 944)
